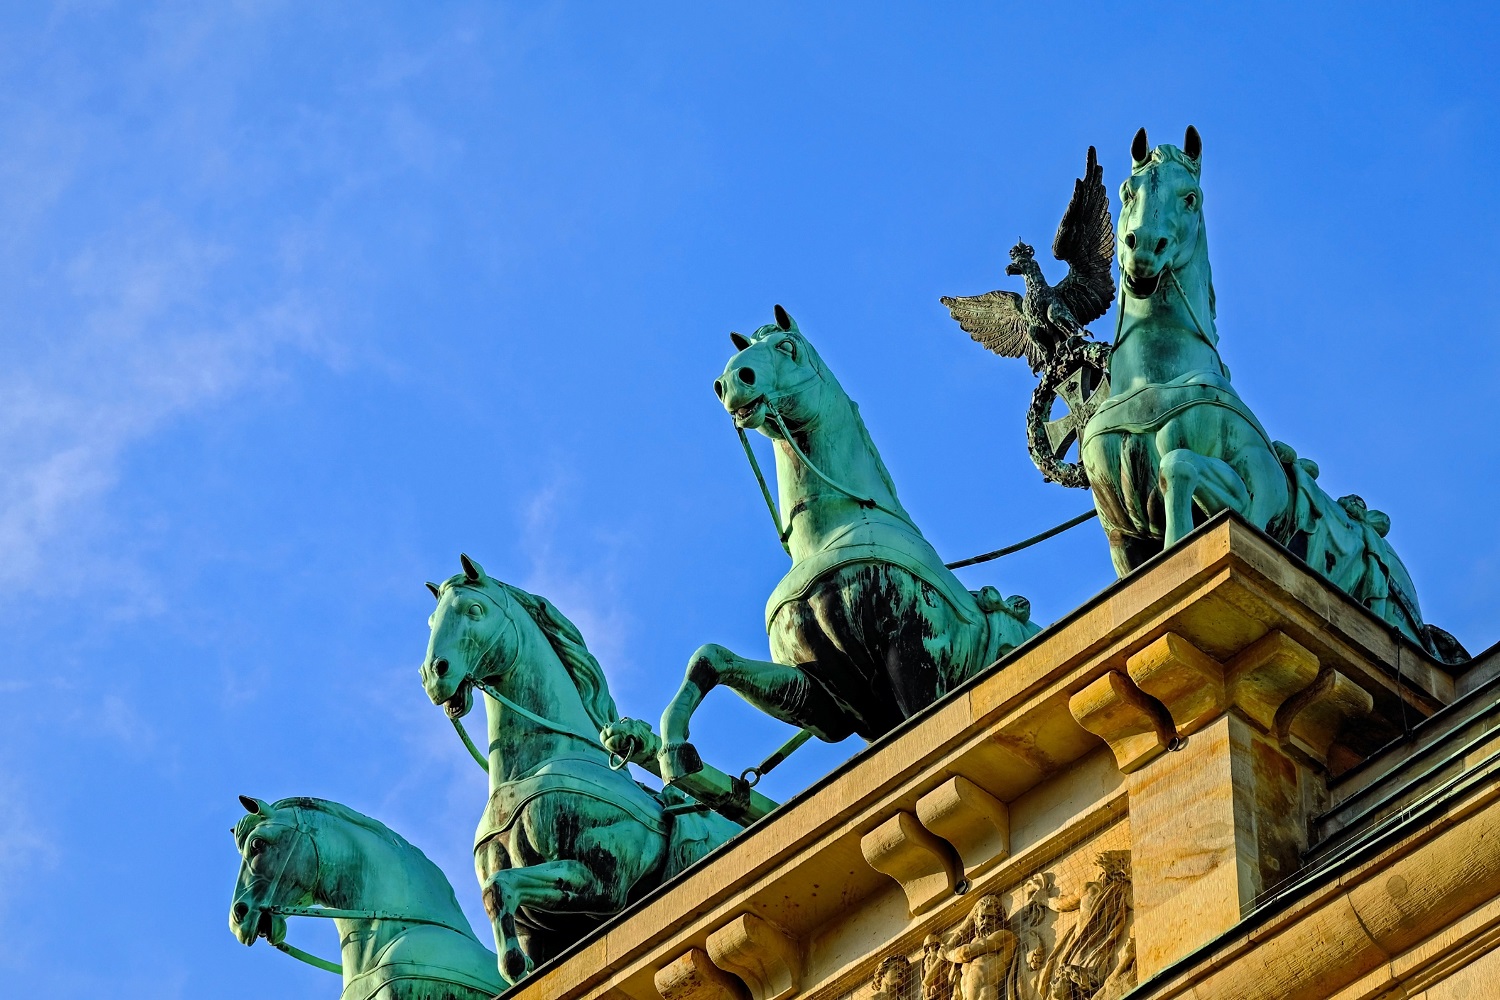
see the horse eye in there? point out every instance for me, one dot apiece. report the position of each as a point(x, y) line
point(257, 846)
point(1192, 199)
point(476, 609)
point(787, 347)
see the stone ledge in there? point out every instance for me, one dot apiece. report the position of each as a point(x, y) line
point(1011, 735)
point(1401, 914)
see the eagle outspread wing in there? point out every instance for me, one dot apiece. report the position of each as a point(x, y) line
point(1086, 242)
point(995, 320)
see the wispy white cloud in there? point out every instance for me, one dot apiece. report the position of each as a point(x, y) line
point(587, 593)
point(26, 845)
point(143, 343)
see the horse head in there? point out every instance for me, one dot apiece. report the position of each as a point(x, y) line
point(774, 372)
point(278, 867)
point(473, 636)
point(1161, 212)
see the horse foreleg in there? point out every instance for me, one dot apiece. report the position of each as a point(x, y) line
point(551, 886)
point(1188, 479)
point(780, 691)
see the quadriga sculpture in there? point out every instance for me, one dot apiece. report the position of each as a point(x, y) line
point(1173, 443)
point(403, 935)
point(868, 627)
point(565, 840)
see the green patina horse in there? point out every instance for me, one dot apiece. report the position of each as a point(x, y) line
point(868, 627)
point(402, 934)
point(565, 840)
point(1174, 443)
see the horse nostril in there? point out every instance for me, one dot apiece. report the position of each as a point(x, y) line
point(1130, 240)
point(241, 910)
point(719, 388)
point(1161, 245)
point(746, 375)
point(440, 667)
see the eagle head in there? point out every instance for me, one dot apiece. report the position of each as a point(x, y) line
point(1021, 257)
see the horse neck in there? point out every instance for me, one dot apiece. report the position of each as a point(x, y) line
point(537, 680)
point(360, 869)
point(838, 443)
point(1175, 326)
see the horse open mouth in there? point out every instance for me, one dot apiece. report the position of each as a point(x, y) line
point(271, 927)
point(461, 702)
point(752, 414)
point(1143, 287)
point(267, 924)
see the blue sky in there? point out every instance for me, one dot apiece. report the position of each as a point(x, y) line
point(298, 302)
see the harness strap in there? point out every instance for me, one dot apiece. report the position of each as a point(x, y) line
point(782, 533)
point(526, 713)
point(309, 958)
point(811, 467)
point(463, 734)
point(334, 913)
point(331, 912)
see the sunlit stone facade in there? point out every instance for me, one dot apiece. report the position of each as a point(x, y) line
point(1220, 778)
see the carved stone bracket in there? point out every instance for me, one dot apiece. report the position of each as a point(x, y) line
point(1135, 726)
point(1312, 721)
point(1265, 674)
point(762, 954)
point(971, 819)
point(693, 976)
point(925, 865)
point(1183, 678)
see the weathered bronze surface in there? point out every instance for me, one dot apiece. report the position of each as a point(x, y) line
point(868, 626)
point(404, 936)
point(565, 840)
point(1164, 440)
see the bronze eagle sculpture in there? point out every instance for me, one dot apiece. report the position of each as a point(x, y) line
point(1047, 318)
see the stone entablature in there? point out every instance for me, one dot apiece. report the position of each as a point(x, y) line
point(1186, 723)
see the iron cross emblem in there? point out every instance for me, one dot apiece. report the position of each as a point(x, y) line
point(1081, 390)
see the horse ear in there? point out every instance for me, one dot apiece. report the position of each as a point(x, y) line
point(472, 569)
point(782, 319)
point(1140, 149)
point(254, 806)
point(438, 594)
point(739, 340)
point(1192, 143)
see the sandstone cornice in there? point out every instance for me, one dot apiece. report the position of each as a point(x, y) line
point(1026, 763)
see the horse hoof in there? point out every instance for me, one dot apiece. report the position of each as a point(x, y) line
point(678, 761)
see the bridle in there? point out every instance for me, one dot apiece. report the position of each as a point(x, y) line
point(784, 532)
point(559, 728)
point(302, 832)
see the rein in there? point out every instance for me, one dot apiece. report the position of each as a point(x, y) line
point(784, 533)
point(548, 724)
point(332, 913)
point(521, 710)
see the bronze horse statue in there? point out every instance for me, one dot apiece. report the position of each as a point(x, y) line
point(868, 627)
point(566, 839)
point(402, 935)
point(1174, 444)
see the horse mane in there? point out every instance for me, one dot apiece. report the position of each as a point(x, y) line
point(340, 811)
point(567, 642)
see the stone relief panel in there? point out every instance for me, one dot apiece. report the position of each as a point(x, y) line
point(1065, 933)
